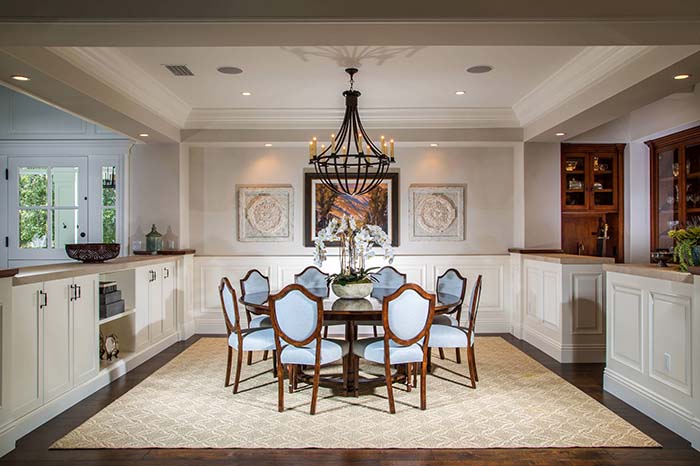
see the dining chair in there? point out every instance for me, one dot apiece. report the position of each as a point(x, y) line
point(448, 336)
point(386, 281)
point(241, 340)
point(407, 315)
point(317, 283)
point(255, 282)
point(451, 283)
point(297, 320)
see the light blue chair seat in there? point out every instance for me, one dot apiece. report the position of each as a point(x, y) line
point(260, 322)
point(331, 350)
point(445, 319)
point(372, 349)
point(260, 339)
point(447, 336)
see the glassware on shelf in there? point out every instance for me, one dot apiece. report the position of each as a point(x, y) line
point(597, 186)
point(570, 165)
point(603, 167)
point(596, 165)
point(575, 184)
point(676, 169)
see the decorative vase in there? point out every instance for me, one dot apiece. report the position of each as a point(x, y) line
point(357, 290)
point(154, 240)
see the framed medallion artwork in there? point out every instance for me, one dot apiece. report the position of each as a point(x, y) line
point(265, 213)
point(436, 212)
point(377, 207)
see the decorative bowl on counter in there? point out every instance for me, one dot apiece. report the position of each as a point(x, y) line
point(92, 253)
point(661, 257)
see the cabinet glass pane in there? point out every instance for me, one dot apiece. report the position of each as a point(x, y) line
point(668, 197)
point(33, 229)
point(603, 181)
point(575, 178)
point(692, 185)
point(109, 186)
point(33, 186)
point(64, 185)
point(64, 223)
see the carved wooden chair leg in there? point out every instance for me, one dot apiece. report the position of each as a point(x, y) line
point(356, 376)
point(265, 355)
point(442, 353)
point(345, 373)
point(415, 374)
point(280, 387)
point(325, 332)
point(389, 388)
point(291, 369)
point(409, 367)
point(458, 354)
point(476, 372)
point(228, 367)
point(423, 391)
point(274, 362)
point(250, 358)
point(239, 363)
point(472, 366)
point(314, 390)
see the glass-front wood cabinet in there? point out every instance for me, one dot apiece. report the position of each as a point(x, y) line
point(675, 184)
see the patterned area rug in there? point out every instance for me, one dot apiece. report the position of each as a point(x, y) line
point(517, 403)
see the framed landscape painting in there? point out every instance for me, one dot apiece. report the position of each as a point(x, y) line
point(378, 207)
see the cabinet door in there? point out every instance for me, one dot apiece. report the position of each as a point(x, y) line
point(57, 339)
point(142, 303)
point(25, 361)
point(574, 179)
point(169, 298)
point(667, 189)
point(86, 357)
point(603, 182)
point(155, 307)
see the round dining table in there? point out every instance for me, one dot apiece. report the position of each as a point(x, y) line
point(350, 313)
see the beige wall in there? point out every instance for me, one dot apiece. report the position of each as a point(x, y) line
point(486, 172)
point(154, 191)
point(542, 195)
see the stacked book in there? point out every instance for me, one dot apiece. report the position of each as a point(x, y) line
point(111, 302)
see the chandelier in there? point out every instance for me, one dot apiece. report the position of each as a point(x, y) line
point(352, 164)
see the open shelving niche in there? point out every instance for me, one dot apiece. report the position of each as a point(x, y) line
point(122, 325)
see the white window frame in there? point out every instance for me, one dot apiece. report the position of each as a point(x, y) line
point(95, 165)
point(15, 163)
point(4, 233)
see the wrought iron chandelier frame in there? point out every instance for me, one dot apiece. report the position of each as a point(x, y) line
point(352, 164)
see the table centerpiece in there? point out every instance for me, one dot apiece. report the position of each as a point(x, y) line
point(356, 244)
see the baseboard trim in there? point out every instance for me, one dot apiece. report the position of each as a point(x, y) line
point(661, 409)
point(27, 423)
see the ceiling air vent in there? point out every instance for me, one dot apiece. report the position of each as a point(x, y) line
point(179, 70)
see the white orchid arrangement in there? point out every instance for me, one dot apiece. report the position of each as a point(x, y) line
point(356, 244)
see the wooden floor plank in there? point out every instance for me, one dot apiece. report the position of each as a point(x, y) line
point(33, 449)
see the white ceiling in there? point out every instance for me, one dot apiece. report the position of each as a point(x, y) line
point(389, 77)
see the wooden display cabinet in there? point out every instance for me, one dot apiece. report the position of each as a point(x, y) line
point(591, 196)
point(675, 184)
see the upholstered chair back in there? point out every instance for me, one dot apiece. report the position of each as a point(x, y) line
point(255, 282)
point(387, 278)
point(229, 305)
point(297, 315)
point(452, 283)
point(408, 314)
point(313, 280)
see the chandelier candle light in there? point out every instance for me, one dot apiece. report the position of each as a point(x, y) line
point(352, 164)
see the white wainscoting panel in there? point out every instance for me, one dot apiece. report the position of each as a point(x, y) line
point(653, 330)
point(587, 318)
point(494, 309)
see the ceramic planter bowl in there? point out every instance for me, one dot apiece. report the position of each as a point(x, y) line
point(352, 290)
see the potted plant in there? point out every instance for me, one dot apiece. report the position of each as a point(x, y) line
point(356, 245)
point(687, 249)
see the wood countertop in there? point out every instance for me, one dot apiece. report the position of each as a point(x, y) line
point(570, 259)
point(7, 273)
point(670, 273)
point(42, 273)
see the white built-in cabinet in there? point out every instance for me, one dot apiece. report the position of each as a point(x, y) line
point(50, 353)
point(155, 294)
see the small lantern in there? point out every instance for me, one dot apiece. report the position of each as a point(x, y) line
point(154, 240)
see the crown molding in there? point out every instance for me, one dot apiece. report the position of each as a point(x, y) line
point(324, 118)
point(590, 66)
point(120, 73)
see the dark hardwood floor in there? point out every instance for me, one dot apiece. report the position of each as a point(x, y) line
point(33, 449)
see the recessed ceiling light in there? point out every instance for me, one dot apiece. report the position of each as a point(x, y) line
point(433, 144)
point(459, 92)
point(19, 77)
point(267, 144)
point(143, 135)
point(229, 70)
point(680, 77)
point(479, 69)
point(560, 134)
point(246, 93)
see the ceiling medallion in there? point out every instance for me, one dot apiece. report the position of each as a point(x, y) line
point(352, 164)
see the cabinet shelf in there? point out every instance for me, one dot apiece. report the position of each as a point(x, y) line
point(602, 190)
point(117, 316)
point(575, 172)
point(575, 190)
point(603, 172)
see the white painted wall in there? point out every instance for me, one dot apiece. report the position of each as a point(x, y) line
point(542, 196)
point(154, 192)
point(487, 173)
